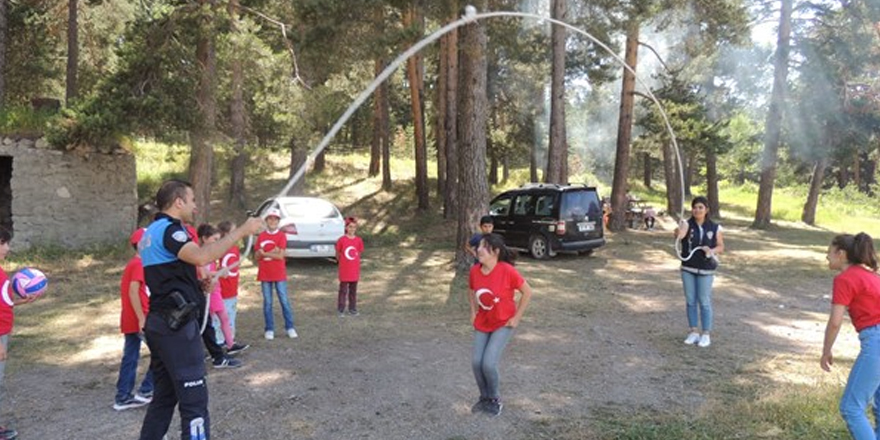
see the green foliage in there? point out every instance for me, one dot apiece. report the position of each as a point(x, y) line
point(24, 121)
point(156, 163)
point(30, 70)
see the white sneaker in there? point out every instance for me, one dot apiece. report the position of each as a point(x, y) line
point(692, 338)
point(704, 341)
point(270, 335)
point(291, 333)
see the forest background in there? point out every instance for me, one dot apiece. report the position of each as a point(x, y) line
point(759, 94)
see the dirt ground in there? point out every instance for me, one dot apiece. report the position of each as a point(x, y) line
point(603, 336)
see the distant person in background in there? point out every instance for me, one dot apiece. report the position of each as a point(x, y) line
point(487, 225)
point(8, 299)
point(135, 306)
point(349, 248)
point(857, 291)
point(495, 314)
point(702, 236)
point(649, 218)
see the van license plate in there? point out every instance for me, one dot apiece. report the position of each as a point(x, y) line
point(320, 248)
point(586, 226)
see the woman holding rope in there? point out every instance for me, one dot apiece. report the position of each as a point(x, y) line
point(701, 240)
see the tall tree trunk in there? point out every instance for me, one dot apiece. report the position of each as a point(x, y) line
point(376, 144)
point(321, 161)
point(202, 156)
point(297, 159)
point(808, 216)
point(773, 125)
point(505, 169)
point(413, 19)
point(4, 26)
point(450, 197)
point(689, 166)
point(72, 51)
point(386, 137)
point(440, 124)
point(237, 119)
point(624, 131)
point(712, 182)
point(646, 175)
point(557, 152)
point(493, 161)
point(533, 130)
point(673, 182)
point(473, 108)
point(857, 169)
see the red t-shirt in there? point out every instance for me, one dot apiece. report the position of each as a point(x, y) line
point(348, 251)
point(229, 283)
point(858, 289)
point(134, 271)
point(494, 294)
point(267, 268)
point(6, 304)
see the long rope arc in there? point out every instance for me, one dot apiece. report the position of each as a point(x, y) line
point(468, 18)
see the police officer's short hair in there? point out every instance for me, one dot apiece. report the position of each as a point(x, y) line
point(487, 220)
point(170, 191)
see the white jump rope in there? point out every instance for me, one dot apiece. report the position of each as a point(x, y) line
point(470, 16)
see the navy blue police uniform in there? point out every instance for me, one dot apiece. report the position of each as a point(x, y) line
point(698, 236)
point(176, 352)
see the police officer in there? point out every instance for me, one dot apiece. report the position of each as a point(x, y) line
point(177, 303)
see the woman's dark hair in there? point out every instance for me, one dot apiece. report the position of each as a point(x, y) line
point(701, 200)
point(859, 249)
point(170, 191)
point(206, 230)
point(5, 235)
point(495, 243)
point(225, 227)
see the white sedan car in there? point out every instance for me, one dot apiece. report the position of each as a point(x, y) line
point(312, 225)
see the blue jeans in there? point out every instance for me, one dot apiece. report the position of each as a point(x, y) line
point(698, 291)
point(128, 370)
point(488, 348)
point(281, 288)
point(862, 385)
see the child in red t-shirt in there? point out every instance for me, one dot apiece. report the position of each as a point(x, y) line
point(8, 300)
point(856, 290)
point(229, 282)
point(495, 314)
point(135, 305)
point(272, 273)
point(349, 248)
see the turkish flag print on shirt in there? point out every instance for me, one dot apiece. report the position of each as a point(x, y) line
point(494, 295)
point(229, 283)
point(269, 269)
point(348, 250)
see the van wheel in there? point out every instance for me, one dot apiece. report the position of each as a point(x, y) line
point(539, 248)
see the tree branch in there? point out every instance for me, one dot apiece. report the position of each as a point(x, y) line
point(656, 55)
point(283, 26)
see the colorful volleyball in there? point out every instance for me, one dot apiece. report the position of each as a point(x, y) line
point(29, 282)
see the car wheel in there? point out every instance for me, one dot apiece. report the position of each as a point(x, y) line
point(539, 248)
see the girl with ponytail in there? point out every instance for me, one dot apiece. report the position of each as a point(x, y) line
point(494, 314)
point(857, 291)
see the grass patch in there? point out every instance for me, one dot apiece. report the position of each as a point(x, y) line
point(789, 413)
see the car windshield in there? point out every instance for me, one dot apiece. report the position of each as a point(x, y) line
point(312, 208)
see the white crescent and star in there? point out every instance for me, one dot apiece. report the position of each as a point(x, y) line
point(346, 252)
point(484, 291)
point(226, 262)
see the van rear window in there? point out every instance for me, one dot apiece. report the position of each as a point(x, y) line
point(578, 203)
